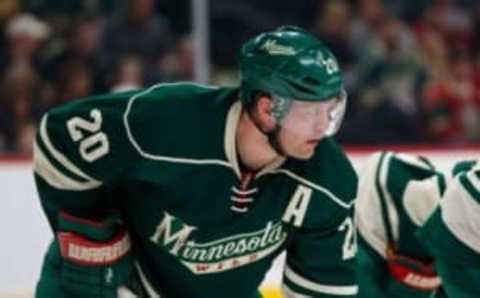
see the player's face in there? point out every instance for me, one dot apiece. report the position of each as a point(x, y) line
point(304, 126)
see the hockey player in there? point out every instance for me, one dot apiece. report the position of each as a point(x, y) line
point(183, 190)
point(400, 255)
point(452, 235)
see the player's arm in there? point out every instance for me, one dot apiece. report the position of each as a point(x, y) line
point(387, 178)
point(321, 262)
point(81, 152)
point(410, 187)
point(452, 235)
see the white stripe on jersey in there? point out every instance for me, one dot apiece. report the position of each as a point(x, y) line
point(392, 210)
point(146, 284)
point(461, 212)
point(151, 156)
point(317, 287)
point(324, 190)
point(124, 292)
point(55, 178)
point(62, 159)
point(368, 209)
point(289, 293)
point(420, 199)
point(473, 178)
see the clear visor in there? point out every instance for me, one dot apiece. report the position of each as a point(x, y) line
point(313, 120)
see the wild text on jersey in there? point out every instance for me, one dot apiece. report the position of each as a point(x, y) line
point(233, 251)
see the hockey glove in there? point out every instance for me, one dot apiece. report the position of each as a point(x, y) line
point(96, 259)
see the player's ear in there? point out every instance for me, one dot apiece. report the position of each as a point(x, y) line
point(264, 113)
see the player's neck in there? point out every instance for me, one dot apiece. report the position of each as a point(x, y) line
point(253, 147)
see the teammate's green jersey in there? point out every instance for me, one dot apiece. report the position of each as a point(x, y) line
point(452, 235)
point(434, 218)
point(409, 189)
point(165, 157)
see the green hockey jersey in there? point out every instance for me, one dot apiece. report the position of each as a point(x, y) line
point(452, 235)
point(165, 159)
point(409, 189)
point(434, 217)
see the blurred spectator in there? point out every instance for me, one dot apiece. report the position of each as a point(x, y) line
point(362, 30)
point(24, 139)
point(70, 8)
point(135, 30)
point(390, 62)
point(76, 82)
point(129, 74)
point(18, 87)
point(78, 46)
point(378, 121)
point(408, 10)
point(332, 25)
point(8, 8)
point(390, 77)
point(452, 104)
point(412, 66)
point(362, 33)
point(25, 34)
point(46, 98)
point(234, 23)
point(452, 22)
point(178, 64)
point(434, 54)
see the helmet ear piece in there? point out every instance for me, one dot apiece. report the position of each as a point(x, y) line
point(276, 107)
point(280, 107)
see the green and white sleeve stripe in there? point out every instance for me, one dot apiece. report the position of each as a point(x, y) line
point(294, 279)
point(461, 209)
point(55, 167)
point(368, 210)
point(386, 177)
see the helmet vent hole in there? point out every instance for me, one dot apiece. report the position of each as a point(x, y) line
point(311, 81)
point(299, 87)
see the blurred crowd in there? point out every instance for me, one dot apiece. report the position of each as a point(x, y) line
point(411, 67)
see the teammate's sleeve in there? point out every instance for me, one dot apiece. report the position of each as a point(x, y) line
point(452, 235)
point(320, 263)
point(408, 185)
